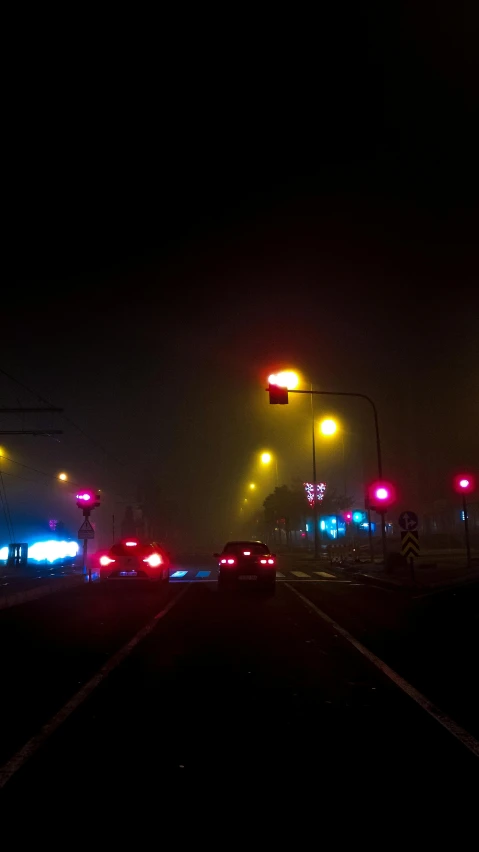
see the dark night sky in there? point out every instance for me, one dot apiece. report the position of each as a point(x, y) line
point(188, 211)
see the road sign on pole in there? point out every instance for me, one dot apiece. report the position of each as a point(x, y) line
point(410, 543)
point(86, 530)
point(408, 521)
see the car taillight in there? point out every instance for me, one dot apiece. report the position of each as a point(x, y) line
point(246, 552)
point(263, 561)
point(154, 560)
point(231, 561)
point(131, 543)
point(105, 560)
point(270, 561)
point(223, 561)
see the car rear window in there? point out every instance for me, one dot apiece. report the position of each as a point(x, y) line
point(240, 546)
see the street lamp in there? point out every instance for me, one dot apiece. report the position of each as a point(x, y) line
point(63, 477)
point(328, 427)
point(266, 459)
point(252, 486)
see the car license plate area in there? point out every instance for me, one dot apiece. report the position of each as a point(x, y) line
point(128, 573)
point(247, 577)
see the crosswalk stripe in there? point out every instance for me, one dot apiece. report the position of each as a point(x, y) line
point(325, 574)
point(178, 574)
point(202, 574)
point(300, 574)
point(279, 574)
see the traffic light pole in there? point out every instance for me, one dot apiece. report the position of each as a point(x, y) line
point(466, 531)
point(86, 514)
point(315, 490)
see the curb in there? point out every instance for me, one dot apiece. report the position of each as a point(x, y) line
point(17, 598)
point(409, 586)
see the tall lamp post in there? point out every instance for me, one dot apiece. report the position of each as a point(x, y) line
point(281, 384)
point(315, 484)
point(267, 458)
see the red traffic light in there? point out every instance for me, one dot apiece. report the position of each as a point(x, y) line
point(464, 483)
point(278, 395)
point(381, 495)
point(88, 499)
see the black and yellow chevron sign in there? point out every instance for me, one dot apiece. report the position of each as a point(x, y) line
point(410, 544)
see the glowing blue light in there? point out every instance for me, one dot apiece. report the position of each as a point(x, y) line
point(179, 574)
point(50, 551)
point(322, 525)
point(307, 527)
point(357, 517)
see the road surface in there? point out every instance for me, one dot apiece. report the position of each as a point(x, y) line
point(125, 686)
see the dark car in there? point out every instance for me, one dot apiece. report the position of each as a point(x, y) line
point(246, 563)
point(132, 558)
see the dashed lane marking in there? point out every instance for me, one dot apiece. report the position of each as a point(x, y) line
point(449, 724)
point(325, 574)
point(300, 574)
point(20, 758)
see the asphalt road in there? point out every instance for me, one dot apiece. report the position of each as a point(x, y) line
point(122, 688)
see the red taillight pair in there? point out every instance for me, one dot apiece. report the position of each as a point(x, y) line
point(228, 561)
point(154, 560)
point(267, 561)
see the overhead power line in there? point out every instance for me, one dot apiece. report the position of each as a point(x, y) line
point(67, 419)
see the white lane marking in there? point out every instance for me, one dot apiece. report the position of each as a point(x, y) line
point(279, 574)
point(178, 574)
point(300, 574)
point(17, 761)
point(325, 574)
point(460, 733)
